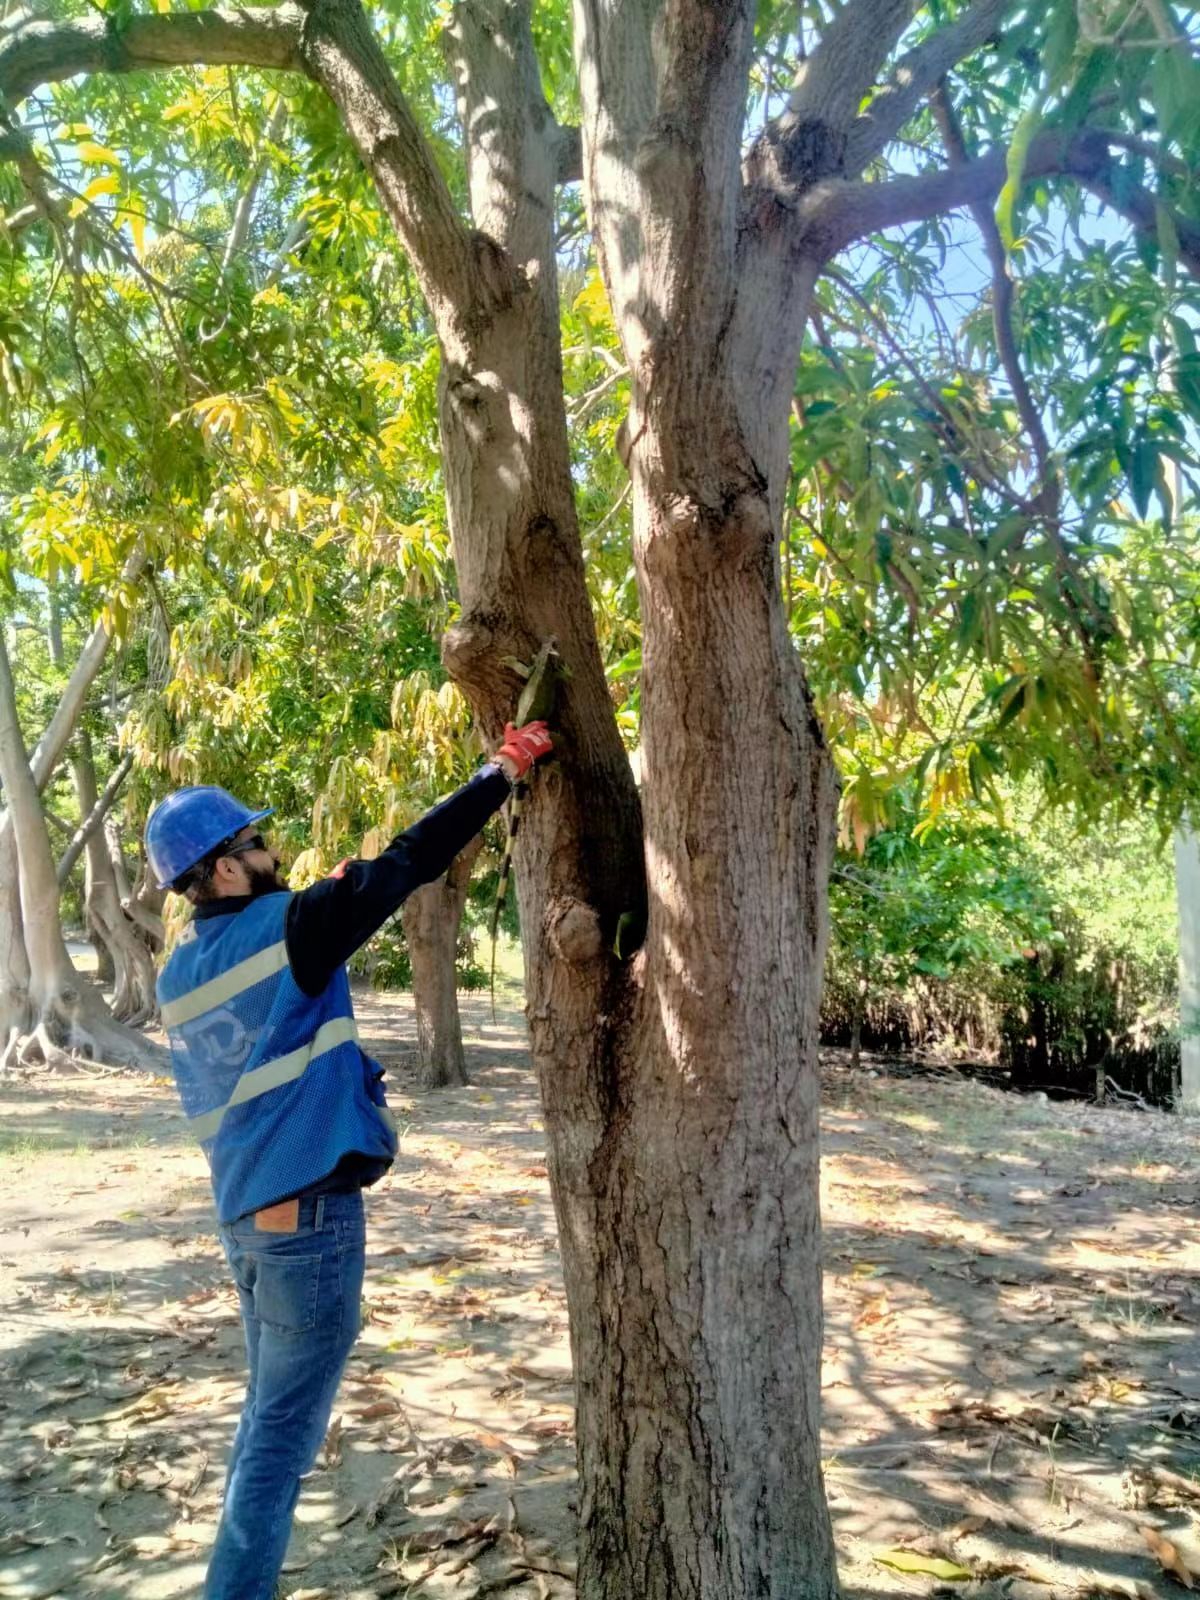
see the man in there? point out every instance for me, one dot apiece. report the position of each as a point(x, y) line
point(289, 1111)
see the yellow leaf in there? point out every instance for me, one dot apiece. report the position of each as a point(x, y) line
point(935, 1566)
point(592, 300)
point(135, 215)
point(106, 183)
point(96, 155)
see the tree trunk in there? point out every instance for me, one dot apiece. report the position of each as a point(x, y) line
point(16, 1014)
point(431, 919)
point(49, 749)
point(93, 818)
point(856, 1022)
point(697, 1332)
point(680, 1089)
point(144, 907)
point(67, 1012)
point(133, 971)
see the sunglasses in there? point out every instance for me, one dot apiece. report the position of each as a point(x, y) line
point(254, 842)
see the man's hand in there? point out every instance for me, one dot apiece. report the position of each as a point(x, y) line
point(521, 748)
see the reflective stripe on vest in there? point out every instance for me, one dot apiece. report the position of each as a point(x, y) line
point(225, 986)
point(283, 1069)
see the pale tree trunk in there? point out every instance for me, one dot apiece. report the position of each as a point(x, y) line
point(431, 918)
point(48, 751)
point(132, 980)
point(144, 906)
point(67, 1012)
point(16, 1014)
point(93, 818)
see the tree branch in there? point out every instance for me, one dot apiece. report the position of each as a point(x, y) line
point(1049, 490)
point(37, 52)
point(94, 818)
point(835, 212)
point(915, 75)
point(48, 751)
point(1149, 151)
point(831, 83)
point(244, 212)
point(463, 275)
point(663, 88)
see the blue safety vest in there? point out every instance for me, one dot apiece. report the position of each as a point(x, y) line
point(273, 1081)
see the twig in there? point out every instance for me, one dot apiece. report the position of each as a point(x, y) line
point(1049, 492)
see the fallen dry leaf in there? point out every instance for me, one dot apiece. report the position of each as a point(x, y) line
point(873, 1313)
point(378, 1408)
point(1169, 1557)
point(964, 1526)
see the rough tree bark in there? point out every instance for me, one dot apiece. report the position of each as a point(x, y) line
point(133, 998)
point(67, 1012)
point(431, 918)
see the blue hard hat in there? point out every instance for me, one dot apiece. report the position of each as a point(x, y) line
point(185, 826)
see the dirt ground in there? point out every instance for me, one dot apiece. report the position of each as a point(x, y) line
point(1012, 1372)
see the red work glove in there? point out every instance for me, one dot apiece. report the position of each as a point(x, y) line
point(523, 746)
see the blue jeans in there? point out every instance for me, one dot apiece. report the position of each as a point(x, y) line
point(300, 1296)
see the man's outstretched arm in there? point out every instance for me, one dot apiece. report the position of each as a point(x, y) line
point(329, 921)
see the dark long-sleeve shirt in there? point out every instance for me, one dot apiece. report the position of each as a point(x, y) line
point(327, 922)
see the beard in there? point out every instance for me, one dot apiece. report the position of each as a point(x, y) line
point(263, 881)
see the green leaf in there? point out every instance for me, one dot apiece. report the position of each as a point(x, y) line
point(933, 1566)
point(1014, 164)
point(1143, 474)
point(1175, 90)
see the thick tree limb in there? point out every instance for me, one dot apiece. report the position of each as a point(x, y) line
point(834, 213)
point(463, 276)
point(831, 83)
point(49, 750)
point(37, 52)
point(1048, 493)
point(663, 89)
point(94, 818)
point(915, 76)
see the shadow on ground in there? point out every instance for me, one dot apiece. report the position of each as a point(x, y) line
point(1011, 1369)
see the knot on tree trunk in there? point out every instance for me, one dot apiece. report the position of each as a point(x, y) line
point(499, 279)
point(573, 930)
point(665, 160)
point(726, 529)
point(795, 155)
point(477, 651)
